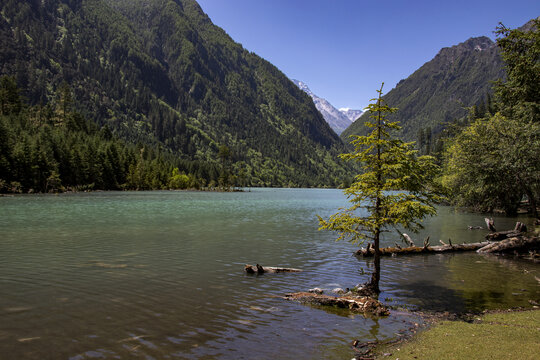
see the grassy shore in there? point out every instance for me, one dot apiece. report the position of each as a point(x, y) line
point(503, 335)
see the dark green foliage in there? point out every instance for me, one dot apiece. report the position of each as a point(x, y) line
point(442, 89)
point(519, 95)
point(159, 73)
point(53, 148)
point(493, 163)
point(430, 143)
point(10, 99)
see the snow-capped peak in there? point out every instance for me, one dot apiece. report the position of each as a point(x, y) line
point(338, 120)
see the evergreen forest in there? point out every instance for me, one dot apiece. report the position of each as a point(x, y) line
point(441, 90)
point(155, 75)
point(53, 148)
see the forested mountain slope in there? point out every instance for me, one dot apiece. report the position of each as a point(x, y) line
point(158, 72)
point(440, 91)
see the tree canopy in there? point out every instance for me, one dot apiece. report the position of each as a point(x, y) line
point(494, 162)
point(395, 189)
point(54, 148)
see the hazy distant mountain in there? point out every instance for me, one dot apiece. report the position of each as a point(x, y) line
point(338, 120)
point(440, 91)
point(351, 114)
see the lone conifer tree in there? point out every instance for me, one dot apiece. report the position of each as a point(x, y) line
point(395, 187)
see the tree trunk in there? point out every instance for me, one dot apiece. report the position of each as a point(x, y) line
point(373, 286)
point(490, 225)
point(376, 276)
point(359, 304)
point(501, 235)
point(519, 244)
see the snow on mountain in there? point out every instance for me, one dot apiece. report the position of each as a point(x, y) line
point(337, 119)
point(351, 114)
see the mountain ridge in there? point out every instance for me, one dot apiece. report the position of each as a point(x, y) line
point(440, 91)
point(159, 72)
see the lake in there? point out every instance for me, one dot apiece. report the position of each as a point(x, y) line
point(159, 275)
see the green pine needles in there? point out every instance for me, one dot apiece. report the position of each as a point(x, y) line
point(396, 186)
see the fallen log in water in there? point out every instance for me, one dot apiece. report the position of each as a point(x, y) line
point(353, 303)
point(519, 244)
point(258, 269)
point(423, 250)
point(501, 235)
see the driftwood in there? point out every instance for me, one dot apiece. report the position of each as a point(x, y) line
point(405, 238)
point(501, 235)
point(426, 242)
point(408, 239)
point(353, 303)
point(424, 249)
point(489, 224)
point(449, 242)
point(258, 269)
point(521, 227)
point(519, 244)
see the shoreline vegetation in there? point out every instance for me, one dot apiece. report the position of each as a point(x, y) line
point(51, 148)
point(493, 334)
point(80, 191)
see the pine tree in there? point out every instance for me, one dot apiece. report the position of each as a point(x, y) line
point(396, 187)
point(10, 99)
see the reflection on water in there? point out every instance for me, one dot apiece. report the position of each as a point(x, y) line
point(160, 275)
point(460, 282)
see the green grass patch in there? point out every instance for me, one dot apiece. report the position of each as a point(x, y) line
point(510, 335)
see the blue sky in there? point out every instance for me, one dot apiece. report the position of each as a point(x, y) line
point(344, 49)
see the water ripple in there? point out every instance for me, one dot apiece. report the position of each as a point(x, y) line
point(160, 275)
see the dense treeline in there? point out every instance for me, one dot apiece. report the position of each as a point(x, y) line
point(53, 148)
point(493, 161)
point(159, 73)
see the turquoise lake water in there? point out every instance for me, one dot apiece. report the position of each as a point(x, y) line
point(159, 275)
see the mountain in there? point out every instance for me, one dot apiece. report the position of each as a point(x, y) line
point(351, 114)
point(160, 73)
point(440, 91)
point(338, 120)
